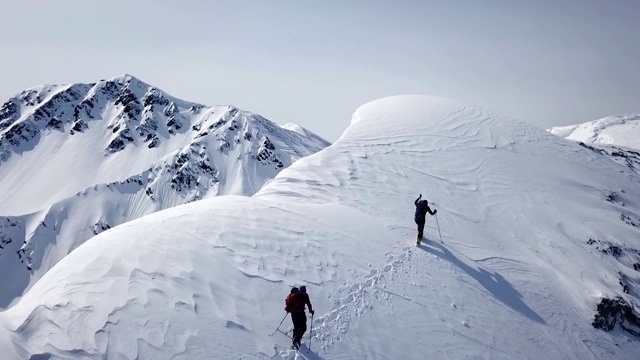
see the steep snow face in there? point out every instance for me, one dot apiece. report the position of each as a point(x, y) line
point(527, 242)
point(617, 137)
point(82, 158)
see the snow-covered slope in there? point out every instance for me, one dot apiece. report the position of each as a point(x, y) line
point(617, 137)
point(620, 130)
point(56, 141)
point(533, 243)
point(78, 159)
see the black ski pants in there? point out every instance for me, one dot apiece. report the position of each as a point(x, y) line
point(420, 223)
point(299, 325)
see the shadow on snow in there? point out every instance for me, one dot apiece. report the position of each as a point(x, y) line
point(497, 285)
point(304, 352)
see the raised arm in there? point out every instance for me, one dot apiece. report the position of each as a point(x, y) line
point(418, 199)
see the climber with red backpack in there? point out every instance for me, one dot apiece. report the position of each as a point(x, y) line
point(295, 304)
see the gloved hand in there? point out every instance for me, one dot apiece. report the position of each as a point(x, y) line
point(435, 211)
point(420, 196)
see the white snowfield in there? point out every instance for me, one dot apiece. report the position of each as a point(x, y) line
point(617, 137)
point(620, 130)
point(515, 278)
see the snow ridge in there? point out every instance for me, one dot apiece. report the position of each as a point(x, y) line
point(614, 137)
point(533, 254)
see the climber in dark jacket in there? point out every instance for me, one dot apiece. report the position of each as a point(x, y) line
point(422, 208)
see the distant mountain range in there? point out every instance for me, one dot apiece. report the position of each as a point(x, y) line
point(78, 159)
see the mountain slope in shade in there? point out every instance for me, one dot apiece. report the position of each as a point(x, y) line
point(617, 137)
point(536, 259)
point(82, 158)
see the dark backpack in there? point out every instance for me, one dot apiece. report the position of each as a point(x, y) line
point(421, 209)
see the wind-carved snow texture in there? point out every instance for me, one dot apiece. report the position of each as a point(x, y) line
point(505, 271)
point(94, 156)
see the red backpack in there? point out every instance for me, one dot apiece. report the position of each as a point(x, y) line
point(290, 302)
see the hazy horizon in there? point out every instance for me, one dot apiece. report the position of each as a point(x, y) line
point(548, 63)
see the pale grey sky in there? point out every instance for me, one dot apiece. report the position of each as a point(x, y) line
point(549, 62)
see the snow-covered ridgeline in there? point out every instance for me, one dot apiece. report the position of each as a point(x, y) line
point(614, 136)
point(533, 242)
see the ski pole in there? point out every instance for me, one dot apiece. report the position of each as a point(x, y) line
point(310, 332)
point(437, 222)
point(278, 328)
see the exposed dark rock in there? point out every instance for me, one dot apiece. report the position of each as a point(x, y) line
point(9, 113)
point(617, 312)
point(266, 155)
point(217, 124)
point(4, 241)
point(223, 143)
point(233, 126)
point(78, 126)
point(268, 144)
point(613, 250)
point(172, 109)
point(54, 123)
point(30, 98)
point(628, 220)
point(154, 142)
point(99, 227)
point(126, 98)
point(188, 166)
point(24, 255)
point(623, 282)
point(627, 157)
point(20, 132)
point(132, 110)
point(115, 145)
point(123, 138)
point(154, 97)
point(625, 255)
point(174, 124)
